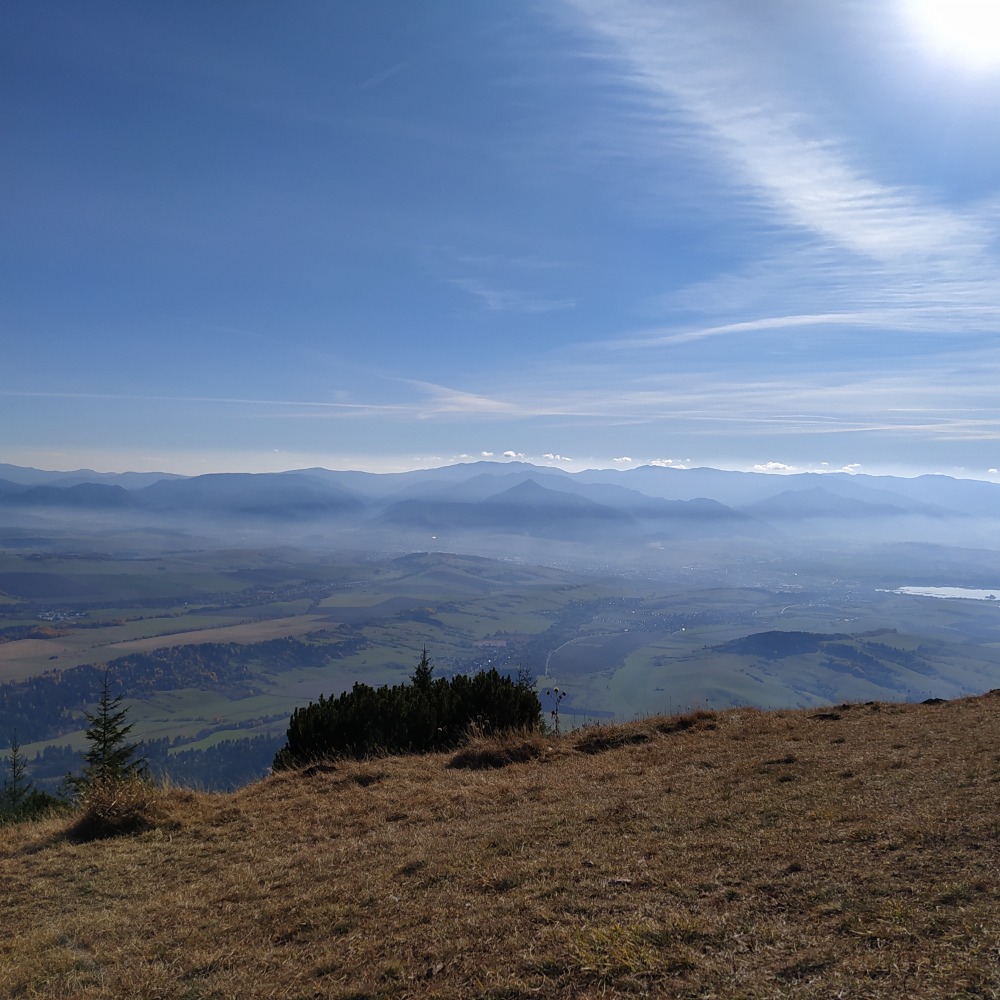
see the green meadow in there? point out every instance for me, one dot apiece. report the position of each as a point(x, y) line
point(616, 648)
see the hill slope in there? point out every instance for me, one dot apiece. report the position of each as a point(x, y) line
point(848, 852)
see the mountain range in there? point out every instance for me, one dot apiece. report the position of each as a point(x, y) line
point(648, 503)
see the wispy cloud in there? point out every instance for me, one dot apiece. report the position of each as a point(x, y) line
point(524, 262)
point(377, 79)
point(675, 56)
point(439, 400)
point(507, 300)
point(662, 337)
point(848, 236)
point(943, 397)
point(947, 398)
point(311, 404)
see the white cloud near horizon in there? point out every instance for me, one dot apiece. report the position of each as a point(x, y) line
point(944, 397)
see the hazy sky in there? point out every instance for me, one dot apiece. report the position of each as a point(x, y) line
point(259, 235)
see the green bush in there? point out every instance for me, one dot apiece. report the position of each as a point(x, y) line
point(424, 715)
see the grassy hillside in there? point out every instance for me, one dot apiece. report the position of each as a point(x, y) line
point(847, 852)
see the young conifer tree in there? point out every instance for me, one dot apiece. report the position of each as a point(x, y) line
point(111, 756)
point(15, 787)
point(422, 673)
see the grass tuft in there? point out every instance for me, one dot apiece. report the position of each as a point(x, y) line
point(484, 752)
point(601, 738)
point(693, 720)
point(113, 808)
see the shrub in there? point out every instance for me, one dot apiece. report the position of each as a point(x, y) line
point(424, 715)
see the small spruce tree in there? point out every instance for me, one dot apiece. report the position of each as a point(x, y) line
point(111, 756)
point(19, 798)
point(15, 786)
point(422, 672)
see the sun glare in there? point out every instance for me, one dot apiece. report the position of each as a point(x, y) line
point(967, 31)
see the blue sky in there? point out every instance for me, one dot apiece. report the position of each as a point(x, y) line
point(383, 235)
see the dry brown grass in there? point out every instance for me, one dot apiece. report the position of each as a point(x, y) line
point(483, 751)
point(118, 806)
point(737, 854)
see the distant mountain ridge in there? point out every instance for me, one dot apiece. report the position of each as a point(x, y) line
point(515, 498)
point(78, 495)
point(27, 476)
point(814, 501)
point(526, 507)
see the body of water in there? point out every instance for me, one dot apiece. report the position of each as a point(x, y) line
point(965, 593)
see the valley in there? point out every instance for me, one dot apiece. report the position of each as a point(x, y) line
point(215, 639)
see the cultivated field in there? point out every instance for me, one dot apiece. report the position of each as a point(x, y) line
point(615, 648)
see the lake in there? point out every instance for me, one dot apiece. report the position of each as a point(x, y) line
point(965, 593)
